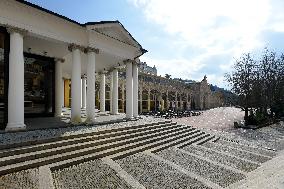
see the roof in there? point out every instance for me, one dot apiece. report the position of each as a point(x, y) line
point(82, 25)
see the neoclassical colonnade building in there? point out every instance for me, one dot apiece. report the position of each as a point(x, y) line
point(39, 49)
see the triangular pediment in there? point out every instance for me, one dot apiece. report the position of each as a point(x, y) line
point(115, 30)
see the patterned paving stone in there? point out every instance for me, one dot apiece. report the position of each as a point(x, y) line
point(214, 173)
point(236, 152)
point(23, 179)
point(93, 174)
point(247, 148)
point(156, 174)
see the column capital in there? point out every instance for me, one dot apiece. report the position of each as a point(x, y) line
point(91, 49)
point(128, 61)
point(113, 68)
point(74, 46)
point(11, 29)
point(59, 60)
point(103, 72)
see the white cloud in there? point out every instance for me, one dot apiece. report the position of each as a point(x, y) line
point(217, 27)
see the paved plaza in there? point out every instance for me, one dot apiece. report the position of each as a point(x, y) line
point(221, 119)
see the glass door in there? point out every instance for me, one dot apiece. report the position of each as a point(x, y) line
point(39, 86)
point(4, 42)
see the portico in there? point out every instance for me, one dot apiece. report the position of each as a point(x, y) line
point(76, 52)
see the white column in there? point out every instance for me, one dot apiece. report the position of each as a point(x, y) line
point(114, 91)
point(58, 87)
point(176, 101)
point(135, 89)
point(110, 94)
point(16, 83)
point(129, 91)
point(76, 86)
point(91, 92)
point(62, 92)
point(102, 92)
point(84, 91)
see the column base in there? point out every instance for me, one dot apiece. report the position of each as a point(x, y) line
point(58, 115)
point(89, 120)
point(129, 117)
point(15, 127)
point(76, 120)
point(114, 113)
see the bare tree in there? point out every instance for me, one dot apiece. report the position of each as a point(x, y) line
point(259, 85)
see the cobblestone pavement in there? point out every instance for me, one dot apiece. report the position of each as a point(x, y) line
point(93, 174)
point(24, 179)
point(156, 174)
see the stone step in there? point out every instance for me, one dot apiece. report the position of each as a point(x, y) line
point(67, 148)
point(65, 137)
point(85, 154)
point(64, 142)
point(202, 140)
point(155, 145)
point(121, 151)
point(185, 140)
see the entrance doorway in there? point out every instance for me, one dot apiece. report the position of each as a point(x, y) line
point(4, 56)
point(39, 86)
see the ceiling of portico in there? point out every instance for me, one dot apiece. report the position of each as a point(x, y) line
point(55, 49)
point(104, 62)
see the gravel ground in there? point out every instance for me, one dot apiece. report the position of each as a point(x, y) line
point(8, 138)
point(245, 147)
point(214, 173)
point(92, 174)
point(155, 174)
point(27, 179)
point(221, 158)
point(236, 152)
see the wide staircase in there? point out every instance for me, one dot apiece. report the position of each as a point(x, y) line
point(160, 154)
point(117, 142)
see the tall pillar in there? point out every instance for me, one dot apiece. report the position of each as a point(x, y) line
point(176, 101)
point(91, 78)
point(167, 100)
point(181, 102)
point(58, 87)
point(149, 100)
point(141, 100)
point(129, 91)
point(187, 104)
point(16, 82)
point(102, 92)
point(110, 93)
point(122, 97)
point(76, 84)
point(135, 89)
point(84, 91)
point(115, 91)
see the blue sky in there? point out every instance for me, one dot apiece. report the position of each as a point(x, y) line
point(188, 38)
